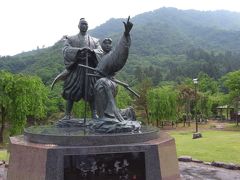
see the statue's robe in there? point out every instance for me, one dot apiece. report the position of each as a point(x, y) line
point(74, 84)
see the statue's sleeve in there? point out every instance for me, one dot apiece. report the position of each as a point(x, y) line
point(97, 49)
point(69, 53)
point(116, 59)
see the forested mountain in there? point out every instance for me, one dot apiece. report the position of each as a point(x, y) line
point(167, 44)
point(171, 30)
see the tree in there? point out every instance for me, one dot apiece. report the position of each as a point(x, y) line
point(217, 99)
point(162, 104)
point(55, 102)
point(207, 84)
point(20, 97)
point(141, 103)
point(139, 73)
point(157, 76)
point(232, 83)
point(186, 98)
point(79, 109)
point(204, 105)
point(123, 98)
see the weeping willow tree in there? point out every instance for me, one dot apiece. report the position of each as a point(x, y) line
point(141, 103)
point(123, 98)
point(162, 104)
point(20, 96)
point(79, 109)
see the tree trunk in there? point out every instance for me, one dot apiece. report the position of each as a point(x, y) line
point(227, 113)
point(146, 111)
point(2, 123)
point(237, 111)
point(189, 121)
point(237, 119)
point(188, 112)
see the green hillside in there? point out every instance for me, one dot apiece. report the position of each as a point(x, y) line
point(171, 30)
point(45, 63)
point(167, 44)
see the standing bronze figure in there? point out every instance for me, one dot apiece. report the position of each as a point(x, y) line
point(77, 50)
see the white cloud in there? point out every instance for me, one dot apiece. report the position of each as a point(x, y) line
point(26, 24)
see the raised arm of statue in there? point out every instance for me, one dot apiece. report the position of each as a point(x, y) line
point(115, 60)
point(128, 26)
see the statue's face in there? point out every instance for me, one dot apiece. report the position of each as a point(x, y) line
point(83, 26)
point(107, 46)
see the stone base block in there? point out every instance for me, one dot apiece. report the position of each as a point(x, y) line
point(197, 135)
point(150, 160)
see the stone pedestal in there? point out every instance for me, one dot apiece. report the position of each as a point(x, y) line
point(197, 135)
point(34, 161)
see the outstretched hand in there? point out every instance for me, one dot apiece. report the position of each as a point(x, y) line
point(128, 26)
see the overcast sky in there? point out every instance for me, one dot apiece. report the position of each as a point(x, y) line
point(26, 24)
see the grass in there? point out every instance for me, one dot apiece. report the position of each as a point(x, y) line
point(221, 146)
point(232, 127)
point(4, 155)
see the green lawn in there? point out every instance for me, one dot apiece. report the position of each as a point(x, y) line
point(214, 146)
point(4, 155)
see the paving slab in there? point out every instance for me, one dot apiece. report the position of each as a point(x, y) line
point(196, 171)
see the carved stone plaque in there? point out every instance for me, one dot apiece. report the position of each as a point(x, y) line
point(112, 166)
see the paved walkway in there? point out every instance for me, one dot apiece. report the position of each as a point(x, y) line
point(3, 173)
point(196, 171)
point(189, 171)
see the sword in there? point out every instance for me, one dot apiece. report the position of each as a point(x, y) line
point(86, 88)
point(112, 79)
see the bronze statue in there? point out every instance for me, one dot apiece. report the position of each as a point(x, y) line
point(106, 45)
point(105, 88)
point(111, 119)
point(80, 49)
point(91, 68)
